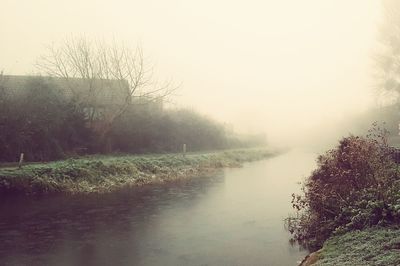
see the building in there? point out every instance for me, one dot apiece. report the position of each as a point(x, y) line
point(99, 98)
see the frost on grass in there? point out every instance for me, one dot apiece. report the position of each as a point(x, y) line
point(106, 173)
point(377, 246)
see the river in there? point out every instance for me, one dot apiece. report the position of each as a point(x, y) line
point(233, 218)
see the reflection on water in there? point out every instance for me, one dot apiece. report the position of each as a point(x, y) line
point(234, 218)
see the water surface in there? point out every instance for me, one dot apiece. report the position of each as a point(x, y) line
point(233, 218)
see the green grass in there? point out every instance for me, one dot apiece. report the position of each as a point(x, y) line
point(375, 246)
point(107, 173)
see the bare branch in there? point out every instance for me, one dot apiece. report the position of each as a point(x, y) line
point(103, 70)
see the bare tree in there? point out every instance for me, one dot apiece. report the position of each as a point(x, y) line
point(103, 69)
point(387, 57)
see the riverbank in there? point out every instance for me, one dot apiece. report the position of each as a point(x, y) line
point(350, 204)
point(375, 246)
point(107, 173)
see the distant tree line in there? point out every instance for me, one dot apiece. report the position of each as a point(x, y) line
point(97, 97)
point(44, 124)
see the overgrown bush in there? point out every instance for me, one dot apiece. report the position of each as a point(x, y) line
point(355, 186)
point(40, 122)
point(146, 130)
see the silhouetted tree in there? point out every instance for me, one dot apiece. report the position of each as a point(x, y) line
point(102, 67)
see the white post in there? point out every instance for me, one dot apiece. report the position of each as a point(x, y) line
point(184, 149)
point(21, 160)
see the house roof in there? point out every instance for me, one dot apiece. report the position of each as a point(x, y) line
point(97, 92)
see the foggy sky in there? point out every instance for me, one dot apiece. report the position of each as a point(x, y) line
point(280, 66)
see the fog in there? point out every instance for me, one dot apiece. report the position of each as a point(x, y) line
point(287, 68)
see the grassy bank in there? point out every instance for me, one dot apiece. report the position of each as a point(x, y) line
point(107, 173)
point(376, 246)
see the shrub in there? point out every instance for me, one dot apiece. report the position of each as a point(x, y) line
point(142, 130)
point(354, 186)
point(40, 122)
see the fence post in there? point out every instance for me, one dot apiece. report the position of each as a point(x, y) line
point(184, 149)
point(21, 160)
